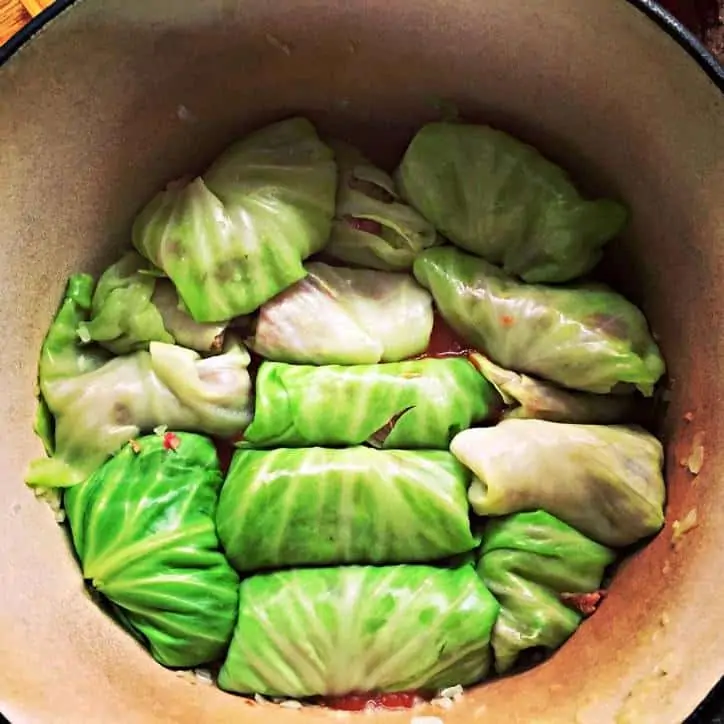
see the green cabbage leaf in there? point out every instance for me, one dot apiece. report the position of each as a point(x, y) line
point(333, 631)
point(143, 529)
point(236, 236)
point(321, 506)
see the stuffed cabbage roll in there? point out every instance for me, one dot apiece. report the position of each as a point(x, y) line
point(317, 506)
point(345, 316)
point(605, 481)
point(143, 529)
point(333, 631)
point(132, 307)
point(528, 560)
point(585, 338)
point(528, 398)
point(412, 404)
point(372, 227)
point(236, 236)
point(497, 197)
point(99, 404)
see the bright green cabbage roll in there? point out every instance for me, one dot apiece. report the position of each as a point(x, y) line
point(372, 227)
point(528, 398)
point(143, 529)
point(319, 506)
point(236, 236)
point(333, 631)
point(530, 562)
point(132, 306)
point(99, 403)
point(585, 338)
point(497, 197)
point(605, 481)
point(412, 404)
point(337, 315)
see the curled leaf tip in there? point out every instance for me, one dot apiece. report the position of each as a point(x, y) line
point(476, 359)
point(377, 439)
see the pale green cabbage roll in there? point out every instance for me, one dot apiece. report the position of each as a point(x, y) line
point(99, 404)
point(529, 398)
point(499, 198)
point(345, 316)
point(373, 227)
point(237, 235)
point(583, 337)
point(134, 306)
point(605, 481)
point(333, 631)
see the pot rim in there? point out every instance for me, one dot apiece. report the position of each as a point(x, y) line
point(655, 12)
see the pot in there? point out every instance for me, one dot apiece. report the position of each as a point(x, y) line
point(114, 98)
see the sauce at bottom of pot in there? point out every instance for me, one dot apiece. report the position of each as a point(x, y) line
point(445, 342)
point(362, 702)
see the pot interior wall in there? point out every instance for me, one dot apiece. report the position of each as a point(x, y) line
point(115, 98)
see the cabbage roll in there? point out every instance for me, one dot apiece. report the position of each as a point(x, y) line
point(332, 631)
point(236, 236)
point(345, 316)
point(100, 403)
point(132, 307)
point(317, 506)
point(143, 529)
point(605, 481)
point(528, 398)
point(412, 404)
point(528, 560)
point(499, 198)
point(372, 227)
point(586, 338)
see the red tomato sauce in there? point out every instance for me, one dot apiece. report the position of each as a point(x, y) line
point(444, 342)
point(360, 702)
point(225, 451)
point(586, 603)
point(254, 364)
point(225, 446)
point(368, 225)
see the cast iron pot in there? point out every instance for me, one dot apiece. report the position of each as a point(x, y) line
point(115, 97)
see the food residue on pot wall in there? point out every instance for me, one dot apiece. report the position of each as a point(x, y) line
point(681, 527)
point(696, 458)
